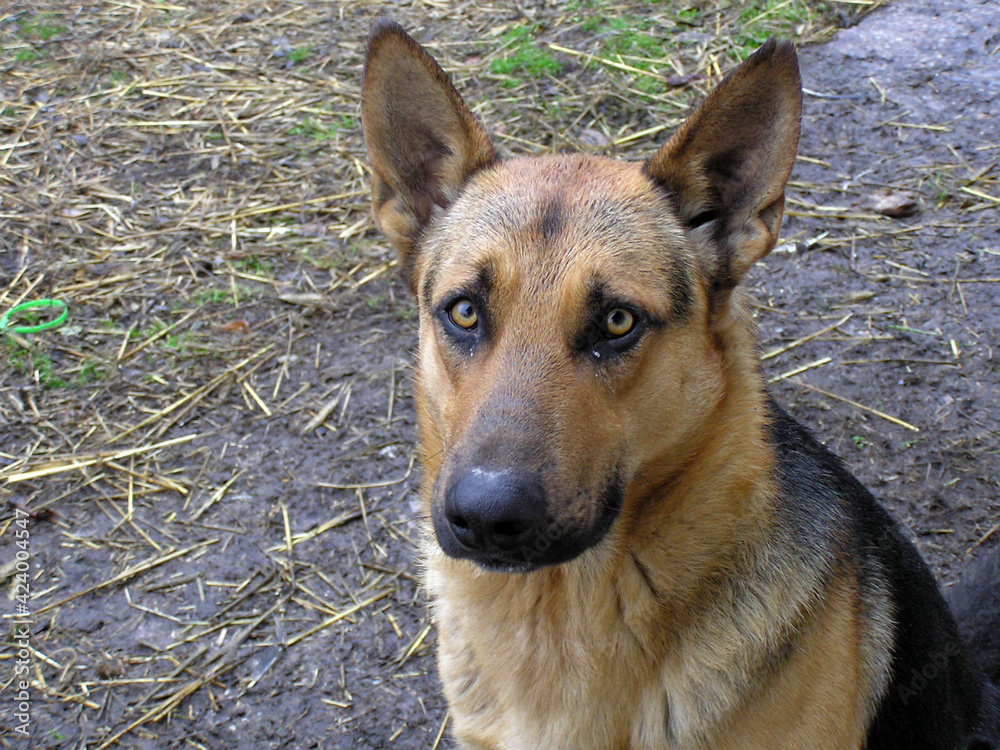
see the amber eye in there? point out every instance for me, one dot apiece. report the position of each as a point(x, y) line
point(463, 314)
point(619, 322)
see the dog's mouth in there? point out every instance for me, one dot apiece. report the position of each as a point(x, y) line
point(497, 565)
point(536, 539)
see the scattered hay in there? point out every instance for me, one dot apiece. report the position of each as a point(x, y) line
point(191, 180)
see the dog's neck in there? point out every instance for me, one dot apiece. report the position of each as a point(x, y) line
point(719, 488)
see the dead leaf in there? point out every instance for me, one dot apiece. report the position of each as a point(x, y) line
point(894, 203)
point(71, 212)
point(852, 298)
point(678, 81)
point(235, 326)
point(594, 138)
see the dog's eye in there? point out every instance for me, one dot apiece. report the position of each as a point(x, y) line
point(612, 332)
point(619, 322)
point(463, 314)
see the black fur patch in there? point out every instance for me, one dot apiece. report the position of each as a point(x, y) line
point(680, 292)
point(553, 220)
point(427, 285)
point(937, 698)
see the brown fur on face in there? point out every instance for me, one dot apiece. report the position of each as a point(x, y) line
point(551, 236)
point(654, 590)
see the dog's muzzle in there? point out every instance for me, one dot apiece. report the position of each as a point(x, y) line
point(500, 520)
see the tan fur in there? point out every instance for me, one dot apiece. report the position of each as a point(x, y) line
point(694, 622)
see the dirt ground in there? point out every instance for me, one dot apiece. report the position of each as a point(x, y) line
point(217, 451)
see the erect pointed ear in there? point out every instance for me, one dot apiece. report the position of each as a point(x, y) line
point(726, 168)
point(423, 140)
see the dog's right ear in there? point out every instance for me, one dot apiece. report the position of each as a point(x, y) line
point(726, 168)
point(423, 140)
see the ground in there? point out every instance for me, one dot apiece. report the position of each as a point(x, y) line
point(215, 454)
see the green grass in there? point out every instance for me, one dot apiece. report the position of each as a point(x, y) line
point(188, 345)
point(300, 54)
point(689, 16)
point(645, 40)
point(325, 262)
point(312, 129)
point(175, 344)
point(228, 295)
point(762, 19)
point(941, 191)
point(630, 36)
point(37, 365)
point(323, 131)
point(28, 55)
point(254, 264)
point(148, 332)
point(211, 296)
point(89, 373)
point(525, 57)
point(634, 42)
point(39, 29)
point(17, 357)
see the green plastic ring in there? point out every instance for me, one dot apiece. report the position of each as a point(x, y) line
point(35, 305)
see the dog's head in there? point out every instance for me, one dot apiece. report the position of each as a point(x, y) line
point(571, 307)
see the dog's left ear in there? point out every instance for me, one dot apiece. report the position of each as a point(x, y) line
point(423, 140)
point(726, 168)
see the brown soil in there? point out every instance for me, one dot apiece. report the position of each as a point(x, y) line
point(217, 451)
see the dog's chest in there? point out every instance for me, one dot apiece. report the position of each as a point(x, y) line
point(591, 663)
point(518, 693)
point(526, 667)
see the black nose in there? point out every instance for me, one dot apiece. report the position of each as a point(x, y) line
point(494, 510)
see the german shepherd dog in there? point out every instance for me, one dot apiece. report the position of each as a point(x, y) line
point(629, 545)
